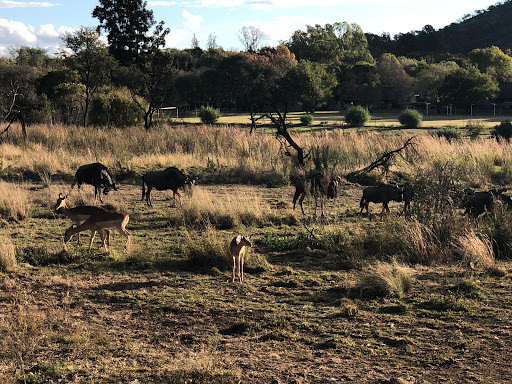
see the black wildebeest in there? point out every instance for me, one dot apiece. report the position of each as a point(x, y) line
point(477, 203)
point(97, 175)
point(384, 193)
point(318, 189)
point(171, 178)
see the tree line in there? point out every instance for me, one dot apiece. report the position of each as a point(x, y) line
point(125, 81)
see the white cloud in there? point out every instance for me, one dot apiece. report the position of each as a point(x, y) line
point(192, 22)
point(178, 38)
point(164, 3)
point(24, 4)
point(273, 4)
point(15, 34)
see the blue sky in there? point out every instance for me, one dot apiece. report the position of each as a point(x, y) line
point(41, 23)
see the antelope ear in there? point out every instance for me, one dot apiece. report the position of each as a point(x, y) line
point(60, 196)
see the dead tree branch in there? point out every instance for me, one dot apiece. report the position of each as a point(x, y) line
point(385, 161)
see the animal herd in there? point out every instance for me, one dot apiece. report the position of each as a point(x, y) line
point(473, 202)
point(99, 220)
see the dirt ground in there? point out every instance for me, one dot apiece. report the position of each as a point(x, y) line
point(119, 318)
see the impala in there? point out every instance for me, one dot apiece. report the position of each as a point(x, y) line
point(237, 251)
point(99, 223)
point(79, 214)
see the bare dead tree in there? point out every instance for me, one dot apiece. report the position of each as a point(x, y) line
point(250, 37)
point(14, 114)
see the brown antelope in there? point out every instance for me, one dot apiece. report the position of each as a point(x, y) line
point(79, 214)
point(237, 251)
point(99, 223)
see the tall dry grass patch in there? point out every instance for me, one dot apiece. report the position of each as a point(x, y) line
point(59, 149)
point(14, 202)
point(7, 255)
point(228, 209)
point(477, 252)
point(386, 279)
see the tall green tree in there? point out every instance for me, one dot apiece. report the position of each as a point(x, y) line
point(312, 84)
point(494, 62)
point(151, 84)
point(128, 24)
point(430, 80)
point(89, 56)
point(396, 83)
point(466, 86)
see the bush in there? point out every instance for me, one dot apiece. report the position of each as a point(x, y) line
point(357, 116)
point(410, 118)
point(475, 128)
point(504, 130)
point(208, 115)
point(386, 280)
point(114, 108)
point(449, 133)
point(307, 119)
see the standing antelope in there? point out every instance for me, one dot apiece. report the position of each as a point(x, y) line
point(79, 214)
point(99, 223)
point(237, 251)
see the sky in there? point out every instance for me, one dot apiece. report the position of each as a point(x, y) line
point(42, 23)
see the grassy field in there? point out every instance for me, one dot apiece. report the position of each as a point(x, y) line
point(335, 119)
point(339, 297)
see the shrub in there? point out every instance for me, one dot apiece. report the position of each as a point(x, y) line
point(208, 115)
point(449, 133)
point(114, 108)
point(357, 116)
point(504, 130)
point(410, 118)
point(207, 252)
point(307, 119)
point(475, 128)
point(477, 251)
point(386, 280)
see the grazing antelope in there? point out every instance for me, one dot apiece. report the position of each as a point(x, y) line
point(237, 251)
point(79, 214)
point(99, 223)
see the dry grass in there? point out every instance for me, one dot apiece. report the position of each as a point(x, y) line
point(14, 202)
point(59, 150)
point(7, 255)
point(225, 210)
point(477, 252)
point(386, 279)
